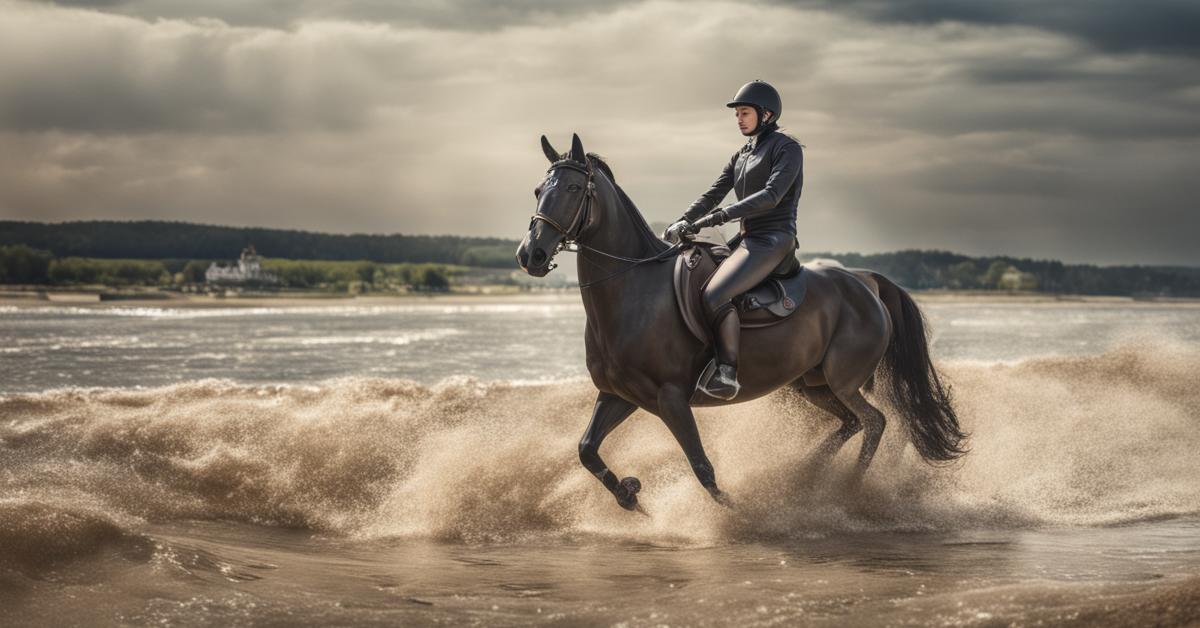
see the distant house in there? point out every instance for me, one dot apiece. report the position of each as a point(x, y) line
point(248, 271)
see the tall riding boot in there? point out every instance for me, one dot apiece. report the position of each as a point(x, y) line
point(726, 334)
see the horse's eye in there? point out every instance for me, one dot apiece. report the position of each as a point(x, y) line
point(573, 187)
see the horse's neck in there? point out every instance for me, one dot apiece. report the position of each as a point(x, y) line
point(619, 231)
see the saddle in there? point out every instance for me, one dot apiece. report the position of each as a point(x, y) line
point(770, 302)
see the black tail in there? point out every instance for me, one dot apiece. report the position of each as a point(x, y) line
point(916, 390)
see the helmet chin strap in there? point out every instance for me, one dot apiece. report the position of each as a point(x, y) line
point(764, 118)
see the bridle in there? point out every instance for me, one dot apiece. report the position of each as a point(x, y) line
point(571, 234)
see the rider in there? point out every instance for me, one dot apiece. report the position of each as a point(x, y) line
point(766, 176)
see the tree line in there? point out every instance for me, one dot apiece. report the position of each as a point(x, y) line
point(154, 240)
point(21, 264)
point(926, 270)
point(171, 253)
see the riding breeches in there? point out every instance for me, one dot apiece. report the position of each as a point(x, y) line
point(754, 257)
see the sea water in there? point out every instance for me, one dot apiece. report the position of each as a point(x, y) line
point(415, 464)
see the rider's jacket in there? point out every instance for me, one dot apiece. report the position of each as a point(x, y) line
point(766, 176)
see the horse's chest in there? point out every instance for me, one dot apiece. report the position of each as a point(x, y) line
point(594, 356)
point(610, 359)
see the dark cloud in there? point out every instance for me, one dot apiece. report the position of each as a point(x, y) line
point(447, 14)
point(977, 135)
point(1115, 25)
point(101, 73)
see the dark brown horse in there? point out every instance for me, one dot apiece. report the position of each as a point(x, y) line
point(640, 353)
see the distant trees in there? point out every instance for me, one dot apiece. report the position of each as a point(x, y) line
point(24, 264)
point(70, 271)
point(962, 276)
point(27, 263)
point(153, 239)
point(21, 264)
point(193, 271)
point(420, 277)
point(924, 270)
point(360, 276)
point(493, 256)
point(434, 280)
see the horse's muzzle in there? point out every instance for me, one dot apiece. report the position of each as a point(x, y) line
point(534, 260)
point(523, 257)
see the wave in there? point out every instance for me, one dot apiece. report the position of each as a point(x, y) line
point(38, 535)
point(392, 339)
point(1062, 441)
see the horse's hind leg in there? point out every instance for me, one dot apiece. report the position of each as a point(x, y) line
point(609, 412)
point(873, 423)
point(823, 398)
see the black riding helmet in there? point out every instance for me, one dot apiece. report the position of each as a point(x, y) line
point(761, 96)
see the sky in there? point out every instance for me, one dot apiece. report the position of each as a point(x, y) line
point(1055, 130)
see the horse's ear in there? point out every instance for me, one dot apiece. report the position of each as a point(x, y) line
point(577, 149)
point(551, 154)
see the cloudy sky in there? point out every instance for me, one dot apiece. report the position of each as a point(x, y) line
point(1066, 130)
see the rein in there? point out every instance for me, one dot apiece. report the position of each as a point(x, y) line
point(572, 233)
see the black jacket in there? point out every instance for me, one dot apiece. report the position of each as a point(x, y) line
point(766, 176)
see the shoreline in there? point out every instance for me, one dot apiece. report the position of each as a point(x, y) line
point(66, 298)
point(171, 300)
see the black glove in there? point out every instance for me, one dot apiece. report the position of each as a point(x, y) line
point(714, 219)
point(677, 229)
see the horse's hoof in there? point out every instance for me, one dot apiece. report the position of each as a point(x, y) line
point(721, 497)
point(630, 486)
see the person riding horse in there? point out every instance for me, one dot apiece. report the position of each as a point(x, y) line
point(854, 331)
point(766, 175)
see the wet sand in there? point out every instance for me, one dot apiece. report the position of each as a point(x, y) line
point(224, 574)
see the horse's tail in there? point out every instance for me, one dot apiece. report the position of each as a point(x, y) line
point(916, 390)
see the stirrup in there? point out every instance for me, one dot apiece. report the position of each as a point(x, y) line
point(719, 389)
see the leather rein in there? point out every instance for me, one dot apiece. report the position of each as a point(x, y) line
point(572, 233)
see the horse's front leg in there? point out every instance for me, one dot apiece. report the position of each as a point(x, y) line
point(609, 412)
point(676, 411)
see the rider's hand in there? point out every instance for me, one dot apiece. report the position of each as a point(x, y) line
point(716, 218)
point(677, 229)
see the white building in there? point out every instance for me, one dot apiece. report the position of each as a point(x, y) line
point(248, 270)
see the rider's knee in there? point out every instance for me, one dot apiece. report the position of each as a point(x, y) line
point(716, 304)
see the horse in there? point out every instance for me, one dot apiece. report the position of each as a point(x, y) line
point(851, 324)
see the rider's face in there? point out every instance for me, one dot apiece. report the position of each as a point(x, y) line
point(747, 118)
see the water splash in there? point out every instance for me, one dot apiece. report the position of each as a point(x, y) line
point(1074, 441)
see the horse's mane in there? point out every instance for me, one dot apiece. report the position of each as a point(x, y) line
point(641, 227)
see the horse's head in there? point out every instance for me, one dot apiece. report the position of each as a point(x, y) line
point(564, 200)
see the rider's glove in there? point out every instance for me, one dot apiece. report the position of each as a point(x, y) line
point(714, 219)
point(677, 229)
